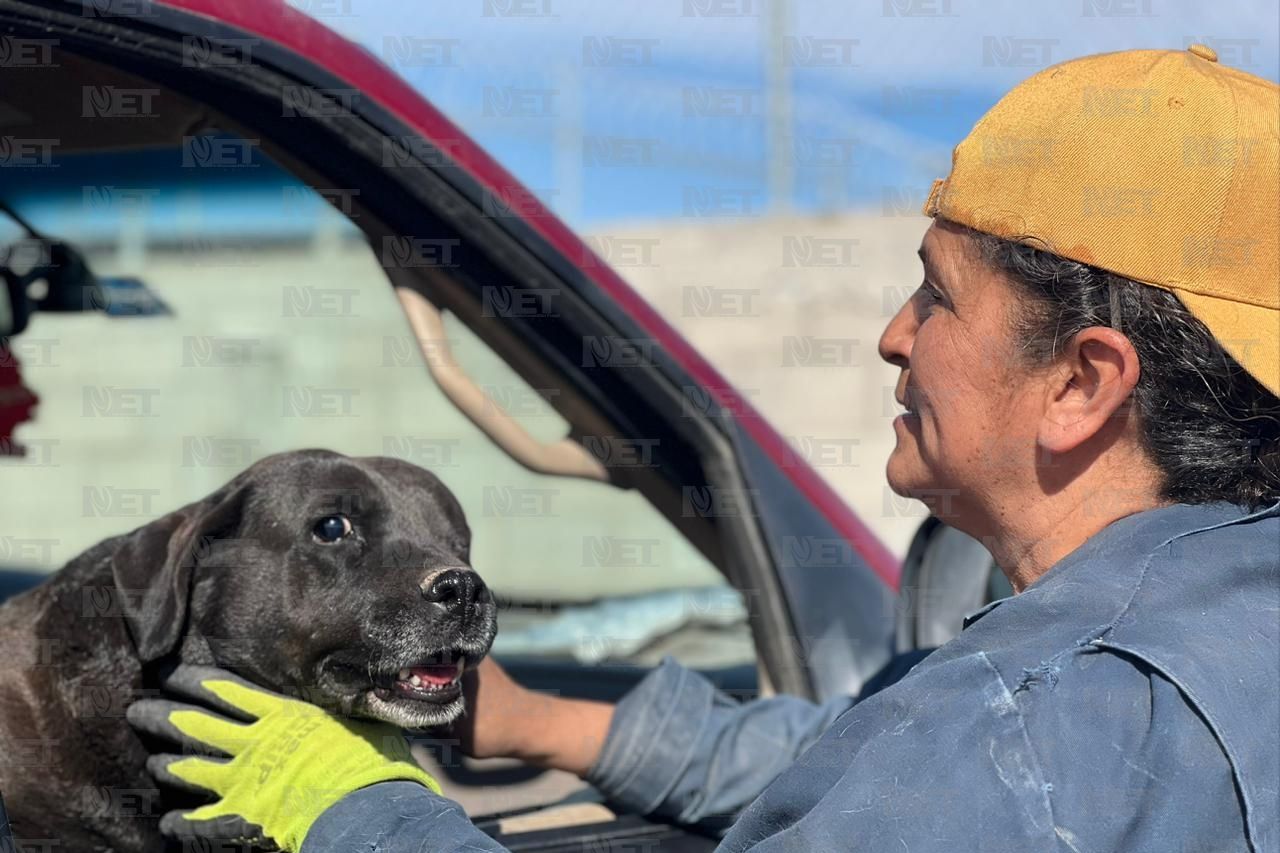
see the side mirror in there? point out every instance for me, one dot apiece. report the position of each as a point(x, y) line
point(42, 274)
point(45, 275)
point(15, 305)
point(68, 283)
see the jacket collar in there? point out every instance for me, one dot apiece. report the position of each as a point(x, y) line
point(1151, 528)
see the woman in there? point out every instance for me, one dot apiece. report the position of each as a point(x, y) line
point(1089, 372)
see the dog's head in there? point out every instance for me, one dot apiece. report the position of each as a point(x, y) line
point(346, 581)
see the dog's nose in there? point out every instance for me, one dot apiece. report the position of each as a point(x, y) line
point(454, 589)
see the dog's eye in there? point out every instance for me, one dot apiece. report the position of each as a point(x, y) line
point(332, 528)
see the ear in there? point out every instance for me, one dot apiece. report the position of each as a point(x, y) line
point(153, 569)
point(1093, 384)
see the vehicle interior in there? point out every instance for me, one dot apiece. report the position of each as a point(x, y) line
point(192, 284)
point(177, 322)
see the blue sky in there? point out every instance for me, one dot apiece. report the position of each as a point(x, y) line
point(618, 110)
point(628, 110)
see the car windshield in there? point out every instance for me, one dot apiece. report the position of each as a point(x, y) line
point(235, 313)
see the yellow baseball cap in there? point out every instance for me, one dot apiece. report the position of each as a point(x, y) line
point(1162, 166)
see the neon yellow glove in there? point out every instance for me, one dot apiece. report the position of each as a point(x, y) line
point(288, 764)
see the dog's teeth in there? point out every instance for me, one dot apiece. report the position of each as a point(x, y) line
point(415, 681)
point(404, 674)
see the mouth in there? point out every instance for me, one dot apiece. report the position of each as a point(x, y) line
point(436, 680)
point(420, 694)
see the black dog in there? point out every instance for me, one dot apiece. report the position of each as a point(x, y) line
point(343, 581)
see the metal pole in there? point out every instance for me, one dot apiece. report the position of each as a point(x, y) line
point(778, 107)
point(568, 141)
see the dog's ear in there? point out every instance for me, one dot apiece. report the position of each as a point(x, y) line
point(154, 567)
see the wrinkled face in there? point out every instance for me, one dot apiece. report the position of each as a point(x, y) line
point(969, 430)
point(348, 583)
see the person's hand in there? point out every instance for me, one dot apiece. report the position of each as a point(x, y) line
point(492, 726)
point(288, 760)
point(505, 720)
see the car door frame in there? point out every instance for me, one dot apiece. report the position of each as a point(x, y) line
point(740, 454)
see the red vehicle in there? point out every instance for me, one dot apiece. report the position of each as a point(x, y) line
point(228, 97)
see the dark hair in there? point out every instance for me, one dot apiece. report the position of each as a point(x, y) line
point(1211, 429)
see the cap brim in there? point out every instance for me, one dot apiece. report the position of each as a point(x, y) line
point(1251, 333)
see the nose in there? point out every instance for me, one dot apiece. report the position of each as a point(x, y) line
point(456, 590)
point(896, 340)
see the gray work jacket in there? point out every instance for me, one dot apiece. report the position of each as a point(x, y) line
point(1128, 700)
